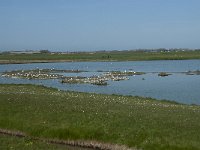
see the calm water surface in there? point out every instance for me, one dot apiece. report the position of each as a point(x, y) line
point(178, 86)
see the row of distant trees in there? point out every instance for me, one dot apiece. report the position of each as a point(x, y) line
point(46, 51)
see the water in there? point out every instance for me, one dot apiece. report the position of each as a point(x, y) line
point(177, 87)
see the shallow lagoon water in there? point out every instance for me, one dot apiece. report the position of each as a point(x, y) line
point(177, 87)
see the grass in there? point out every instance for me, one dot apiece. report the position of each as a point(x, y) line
point(15, 143)
point(125, 120)
point(100, 56)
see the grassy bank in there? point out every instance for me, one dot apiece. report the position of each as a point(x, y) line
point(133, 121)
point(15, 143)
point(99, 56)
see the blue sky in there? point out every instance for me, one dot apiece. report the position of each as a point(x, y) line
point(79, 25)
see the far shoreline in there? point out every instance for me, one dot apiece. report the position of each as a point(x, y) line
point(111, 56)
point(7, 62)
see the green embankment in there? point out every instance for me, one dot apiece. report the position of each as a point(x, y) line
point(133, 121)
point(15, 143)
point(100, 56)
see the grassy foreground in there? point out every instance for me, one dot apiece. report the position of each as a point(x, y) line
point(99, 56)
point(15, 143)
point(125, 120)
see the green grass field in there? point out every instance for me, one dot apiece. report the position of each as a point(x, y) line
point(15, 143)
point(101, 56)
point(125, 120)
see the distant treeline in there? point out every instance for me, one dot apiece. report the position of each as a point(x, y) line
point(99, 51)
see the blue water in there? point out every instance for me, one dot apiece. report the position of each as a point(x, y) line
point(177, 87)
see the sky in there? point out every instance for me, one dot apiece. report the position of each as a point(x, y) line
point(90, 25)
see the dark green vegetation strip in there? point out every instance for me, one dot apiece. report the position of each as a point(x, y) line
point(99, 56)
point(133, 121)
point(71, 144)
point(15, 143)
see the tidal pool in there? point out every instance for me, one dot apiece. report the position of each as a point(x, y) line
point(177, 87)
